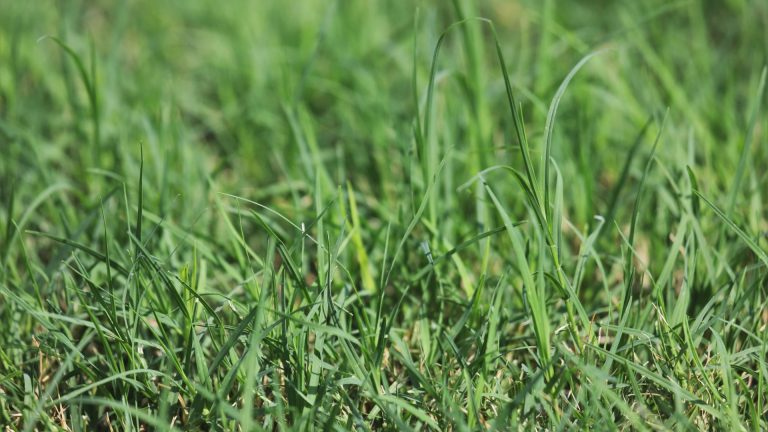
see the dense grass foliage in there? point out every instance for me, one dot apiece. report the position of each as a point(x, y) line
point(383, 215)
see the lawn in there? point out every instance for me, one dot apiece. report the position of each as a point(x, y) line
point(383, 215)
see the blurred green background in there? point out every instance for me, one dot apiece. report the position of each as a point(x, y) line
point(206, 86)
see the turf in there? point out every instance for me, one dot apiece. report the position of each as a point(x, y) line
point(383, 215)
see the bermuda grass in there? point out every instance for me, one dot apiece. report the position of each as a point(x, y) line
point(383, 215)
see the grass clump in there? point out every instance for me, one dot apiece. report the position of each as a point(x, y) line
point(370, 216)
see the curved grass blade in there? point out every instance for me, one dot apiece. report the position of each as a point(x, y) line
point(550, 125)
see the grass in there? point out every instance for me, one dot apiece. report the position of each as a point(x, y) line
point(383, 216)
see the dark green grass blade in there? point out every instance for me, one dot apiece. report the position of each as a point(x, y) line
point(610, 214)
point(95, 254)
point(745, 151)
point(746, 238)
